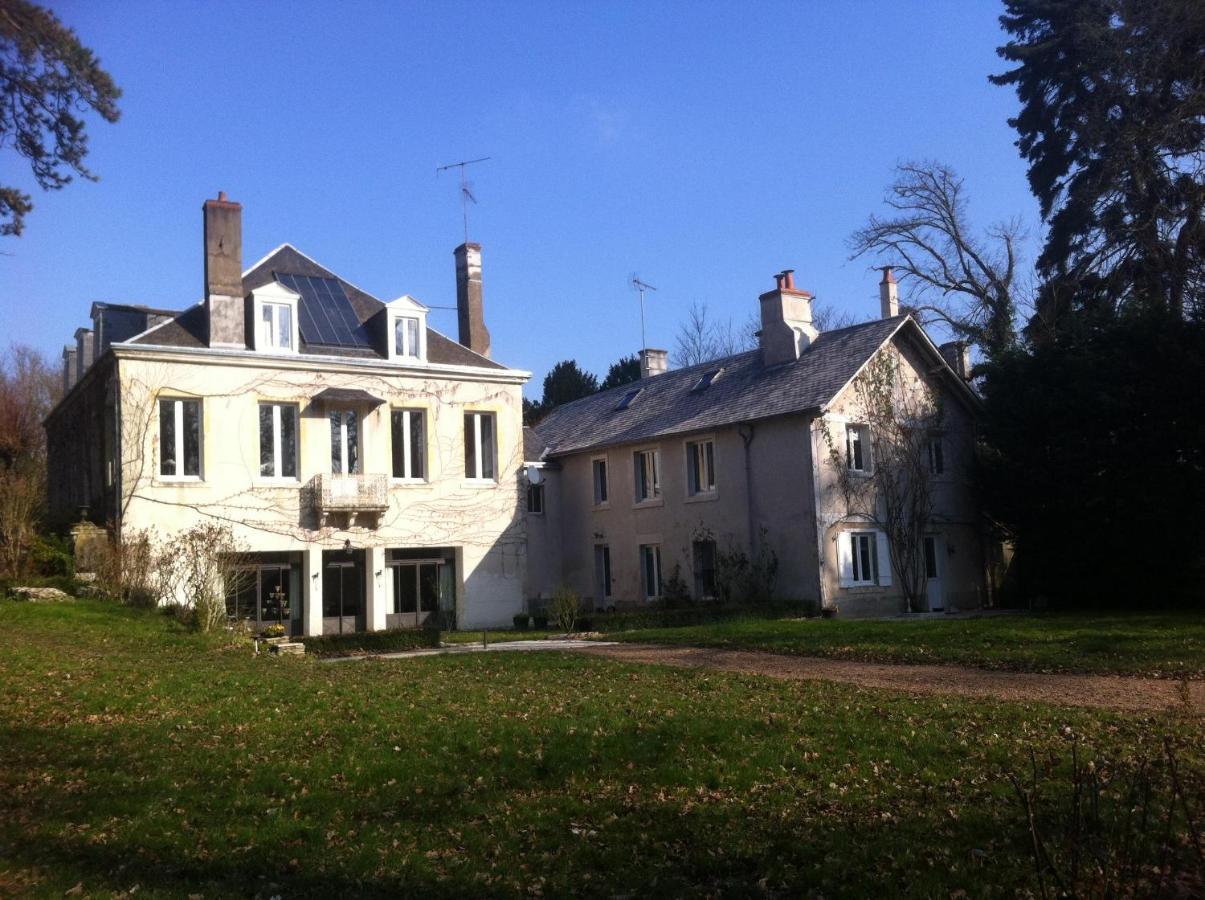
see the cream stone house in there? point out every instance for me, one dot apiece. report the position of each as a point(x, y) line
point(630, 484)
point(369, 464)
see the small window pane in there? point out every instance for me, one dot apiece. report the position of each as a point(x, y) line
point(428, 587)
point(353, 441)
point(470, 445)
point(487, 446)
point(600, 481)
point(397, 445)
point(405, 589)
point(418, 448)
point(336, 420)
point(267, 456)
point(285, 328)
point(167, 437)
point(192, 437)
point(288, 441)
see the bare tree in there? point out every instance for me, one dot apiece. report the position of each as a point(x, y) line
point(201, 567)
point(702, 337)
point(29, 387)
point(966, 281)
point(829, 318)
point(902, 414)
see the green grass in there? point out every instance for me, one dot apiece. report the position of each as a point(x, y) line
point(497, 635)
point(135, 754)
point(1169, 645)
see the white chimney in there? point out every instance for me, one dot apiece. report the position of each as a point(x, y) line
point(653, 362)
point(889, 294)
point(786, 321)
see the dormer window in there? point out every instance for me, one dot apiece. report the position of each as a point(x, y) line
point(407, 330)
point(274, 312)
point(275, 326)
point(405, 337)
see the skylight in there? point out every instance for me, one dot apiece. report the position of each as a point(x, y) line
point(628, 399)
point(706, 381)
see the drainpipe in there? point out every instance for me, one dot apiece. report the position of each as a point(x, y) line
point(745, 430)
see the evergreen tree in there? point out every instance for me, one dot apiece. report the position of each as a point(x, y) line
point(46, 77)
point(1112, 124)
point(624, 371)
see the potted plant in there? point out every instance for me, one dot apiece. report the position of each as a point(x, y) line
point(275, 630)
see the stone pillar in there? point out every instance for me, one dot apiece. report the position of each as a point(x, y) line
point(311, 588)
point(375, 599)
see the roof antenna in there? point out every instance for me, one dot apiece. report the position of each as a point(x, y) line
point(641, 287)
point(466, 189)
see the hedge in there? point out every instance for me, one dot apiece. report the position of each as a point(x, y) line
point(653, 617)
point(366, 642)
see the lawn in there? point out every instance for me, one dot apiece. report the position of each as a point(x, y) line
point(1167, 645)
point(138, 755)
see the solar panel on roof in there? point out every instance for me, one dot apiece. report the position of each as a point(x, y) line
point(628, 398)
point(325, 315)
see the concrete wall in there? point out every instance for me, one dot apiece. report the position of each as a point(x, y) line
point(780, 464)
point(956, 521)
point(544, 545)
point(80, 450)
point(483, 521)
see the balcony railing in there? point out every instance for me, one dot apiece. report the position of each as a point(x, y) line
point(350, 495)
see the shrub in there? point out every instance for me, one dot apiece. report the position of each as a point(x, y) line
point(368, 642)
point(51, 555)
point(674, 593)
point(539, 621)
point(564, 608)
point(128, 570)
point(521, 621)
point(200, 567)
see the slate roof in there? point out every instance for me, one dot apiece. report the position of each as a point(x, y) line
point(187, 329)
point(745, 390)
point(533, 445)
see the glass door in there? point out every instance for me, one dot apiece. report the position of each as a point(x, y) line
point(417, 586)
point(342, 595)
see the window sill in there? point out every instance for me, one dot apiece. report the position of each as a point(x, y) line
point(178, 480)
point(646, 504)
point(283, 482)
point(606, 504)
point(703, 497)
point(479, 483)
point(409, 482)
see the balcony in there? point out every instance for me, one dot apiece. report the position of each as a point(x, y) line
point(348, 495)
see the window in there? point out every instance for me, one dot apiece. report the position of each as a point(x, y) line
point(930, 557)
point(180, 438)
point(405, 337)
point(277, 440)
point(650, 570)
point(416, 587)
point(937, 457)
point(704, 565)
point(700, 467)
point(408, 431)
point(706, 381)
point(535, 499)
point(275, 326)
point(345, 442)
point(602, 570)
point(479, 450)
point(648, 475)
point(628, 399)
point(600, 480)
point(857, 448)
point(864, 559)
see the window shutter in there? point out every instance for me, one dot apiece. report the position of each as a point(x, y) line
point(880, 541)
point(845, 560)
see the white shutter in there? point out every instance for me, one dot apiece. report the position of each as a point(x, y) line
point(880, 541)
point(845, 560)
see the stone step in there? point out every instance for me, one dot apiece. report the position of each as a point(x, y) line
point(274, 641)
point(289, 649)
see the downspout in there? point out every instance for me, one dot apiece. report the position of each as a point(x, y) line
point(746, 431)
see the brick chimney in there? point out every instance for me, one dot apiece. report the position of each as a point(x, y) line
point(470, 306)
point(653, 362)
point(69, 372)
point(889, 294)
point(957, 355)
point(786, 321)
point(224, 299)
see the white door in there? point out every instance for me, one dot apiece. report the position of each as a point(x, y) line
point(933, 586)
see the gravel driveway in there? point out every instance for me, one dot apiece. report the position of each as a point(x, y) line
point(1103, 691)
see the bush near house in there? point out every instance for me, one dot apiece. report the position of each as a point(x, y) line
point(663, 617)
point(370, 642)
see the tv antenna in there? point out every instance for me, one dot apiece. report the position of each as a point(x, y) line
point(466, 188)
point(640, 287)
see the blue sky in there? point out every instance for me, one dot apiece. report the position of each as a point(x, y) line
point(703, 145)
